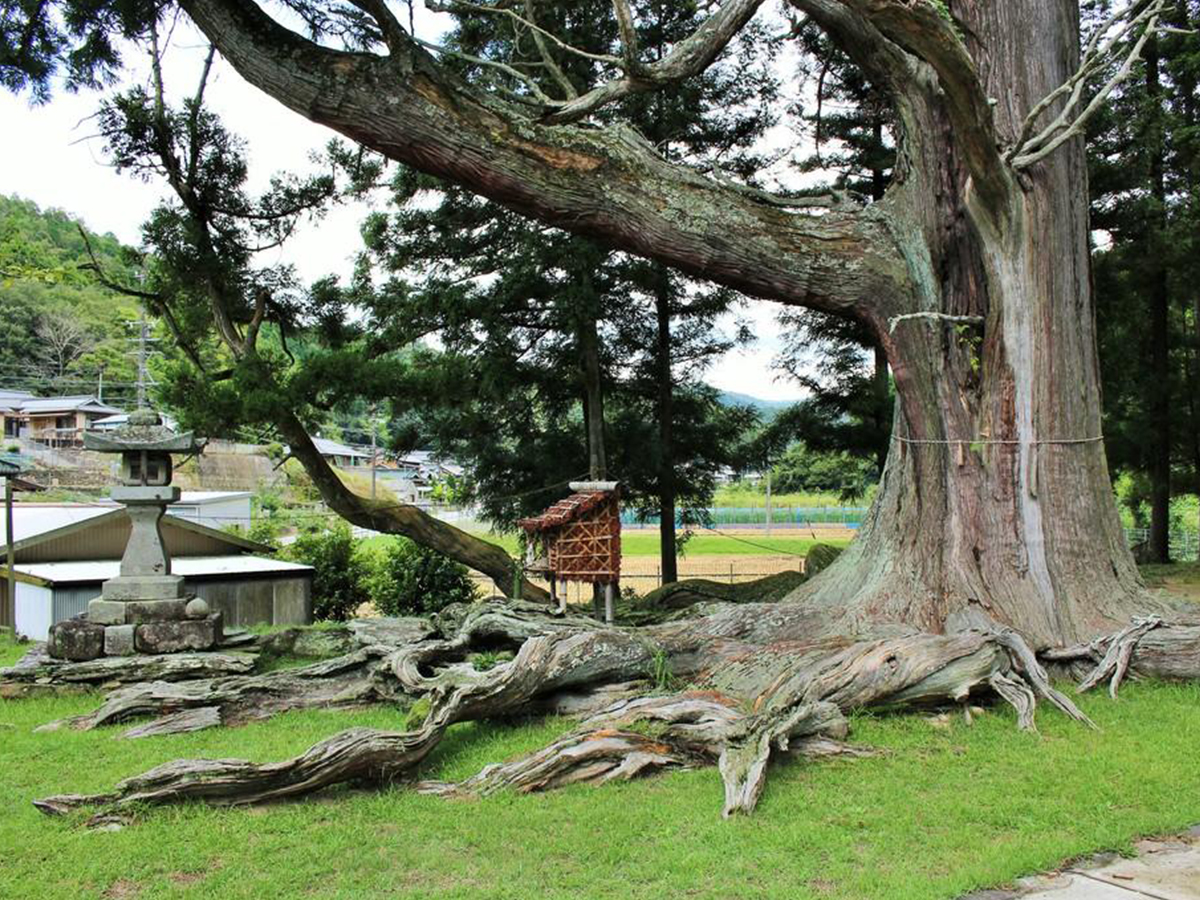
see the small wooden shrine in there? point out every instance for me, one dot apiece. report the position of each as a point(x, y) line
point(579, 539)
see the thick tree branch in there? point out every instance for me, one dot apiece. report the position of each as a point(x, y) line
point(608, 183)
point(919, 27)
point(401, 518)
point(389, 26)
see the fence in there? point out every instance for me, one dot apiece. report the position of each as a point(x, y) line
point(756, 517)
point(1185, 545)
point(644, 574)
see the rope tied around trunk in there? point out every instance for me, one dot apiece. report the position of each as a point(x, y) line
point(970, 442)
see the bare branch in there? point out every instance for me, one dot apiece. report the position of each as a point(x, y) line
point(541, 97)
point(548, 60)
point(154, 300)
point(689, 57)
point(1032, 149)
point(451, 5)
point(194, 119)
point(629, 42)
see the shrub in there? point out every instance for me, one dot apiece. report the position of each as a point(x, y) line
point(413, 580)
point(265, 530)
point(342, 573)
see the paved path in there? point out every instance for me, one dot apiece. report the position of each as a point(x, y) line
point(1162, 870)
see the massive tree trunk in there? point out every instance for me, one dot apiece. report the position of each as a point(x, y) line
point(996, 502)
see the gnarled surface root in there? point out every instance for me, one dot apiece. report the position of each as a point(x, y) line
point(792, 692)
point(336, 683)
point(38, 673)
point(1150, 646)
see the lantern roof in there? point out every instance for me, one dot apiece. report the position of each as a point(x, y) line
point(143, 431)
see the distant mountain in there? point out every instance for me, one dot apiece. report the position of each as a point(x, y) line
point(767, 408)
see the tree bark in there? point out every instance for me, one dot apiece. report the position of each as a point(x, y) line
point(593, 397)
point(666, 428)
point(995, 502)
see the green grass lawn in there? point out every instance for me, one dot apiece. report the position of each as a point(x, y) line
point(945, 811)
point(748, 542)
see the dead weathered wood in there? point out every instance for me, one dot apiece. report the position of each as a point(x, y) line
point(793, 692)
point(197, 719)
point(38, 672)
point(346, 681)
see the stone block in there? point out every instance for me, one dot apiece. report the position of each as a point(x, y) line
point(106, 612)
point(136, 493)
point(77, 640)
point(174, 637)
point(293, 602)
point(144, 587)
point(138, 612)
point(118, 640)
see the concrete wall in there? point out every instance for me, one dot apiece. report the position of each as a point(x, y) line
point(272, 601)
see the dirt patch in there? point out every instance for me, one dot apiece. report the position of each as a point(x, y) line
point(1189, 589)
point(122, 889)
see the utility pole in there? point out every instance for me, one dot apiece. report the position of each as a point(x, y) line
point(143, 333)
point(100, 385)
point(142, 354)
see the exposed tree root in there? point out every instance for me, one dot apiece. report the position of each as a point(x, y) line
point(38, 673)
point(342, 682)
point(767, 699)
point(1150, 646)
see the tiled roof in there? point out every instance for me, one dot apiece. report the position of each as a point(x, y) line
point(567, 510)
point(45, 405)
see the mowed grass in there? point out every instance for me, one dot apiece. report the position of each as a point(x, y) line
point(743, 542)
point(946, 810)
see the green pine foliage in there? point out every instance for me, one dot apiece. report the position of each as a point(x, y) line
point(1144, 179)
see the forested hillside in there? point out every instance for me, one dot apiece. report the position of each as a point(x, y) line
point(62, 329)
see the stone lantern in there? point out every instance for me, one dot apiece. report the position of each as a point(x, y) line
point(145, 608)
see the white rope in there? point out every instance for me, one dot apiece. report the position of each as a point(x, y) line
point(966, 320)
point(989, 441)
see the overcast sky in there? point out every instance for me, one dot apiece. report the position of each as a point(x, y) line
point(50, 155)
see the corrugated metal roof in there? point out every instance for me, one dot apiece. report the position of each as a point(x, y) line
point(327, 447)
point(87, 571)
point(201, 497)
point(30, 520)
